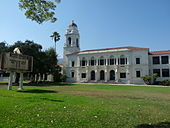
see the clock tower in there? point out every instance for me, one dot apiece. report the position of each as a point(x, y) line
point(72, 43)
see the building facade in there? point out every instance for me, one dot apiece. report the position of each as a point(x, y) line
point(111, 65)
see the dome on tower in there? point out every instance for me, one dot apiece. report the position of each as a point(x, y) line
point(73, 24)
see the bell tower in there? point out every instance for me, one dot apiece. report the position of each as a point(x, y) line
point(72, 43)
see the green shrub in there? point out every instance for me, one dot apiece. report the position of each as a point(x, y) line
point(166, 82)
point(149, 79)
point(63, 78)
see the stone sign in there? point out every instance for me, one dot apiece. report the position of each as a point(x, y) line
point(16, 62)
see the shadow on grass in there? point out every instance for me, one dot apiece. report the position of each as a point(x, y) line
point(48, 84)
point(159, 125)
point(47, 99)
point(37, 91)
point(3, 83)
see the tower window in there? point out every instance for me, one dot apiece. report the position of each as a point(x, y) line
point(72, 64)
point(69, 41)
point(77, 43)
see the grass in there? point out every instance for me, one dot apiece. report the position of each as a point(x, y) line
point(85, 106)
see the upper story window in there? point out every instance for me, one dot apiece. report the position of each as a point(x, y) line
point(165, 59)
point(137, 60)
point(155, 60)
point(83, 62)
point(122, 60)
point(69, 41)
point(72, 63)
point(102, 61)
point(92, 61)
point(112, 60)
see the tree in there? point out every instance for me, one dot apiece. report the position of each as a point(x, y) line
point(32, 49)
point(39, 10)
point(56, 37)
point(3, 47)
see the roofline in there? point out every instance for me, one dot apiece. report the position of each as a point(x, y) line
point(107, 49)
point(159, 52)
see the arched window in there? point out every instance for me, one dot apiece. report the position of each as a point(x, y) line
point(77, 42)
point(69, 41)
point(102, 76)
point(112, 60)
point(92, 75)
point(112, 75)
point(101, 61)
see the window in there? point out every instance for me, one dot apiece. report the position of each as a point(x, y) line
point(69, 41)
point(72, 74)
point(92, 61)
point(72, 64)
point(111, 60)
point(165, 72)
point(156, 71)
point(122, 75)
point(102, 76)
point(101, 61)
point(83, 75)
point(112, 75)
point(83, 62)
point(92, 75)
point(156, 60)
point(137, 60)
point(77, 43)
point(138, 74)
point(122, 60)
point(165, 59)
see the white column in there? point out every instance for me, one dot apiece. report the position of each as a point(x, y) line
point(106, 77)
point(96, 75)
point(21, 81)
point(87, 76)
point(10, 81)
point(160, 59)
point(116, 75)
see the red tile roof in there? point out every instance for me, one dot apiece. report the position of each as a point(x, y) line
point(105, 49)
point(159, 52)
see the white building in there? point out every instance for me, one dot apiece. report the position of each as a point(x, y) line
point(112, 65)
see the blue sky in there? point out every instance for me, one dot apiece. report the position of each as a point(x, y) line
point(102, 24)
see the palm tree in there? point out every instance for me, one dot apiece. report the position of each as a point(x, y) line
point(56, 37)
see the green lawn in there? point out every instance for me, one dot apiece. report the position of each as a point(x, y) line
point(85, 106)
